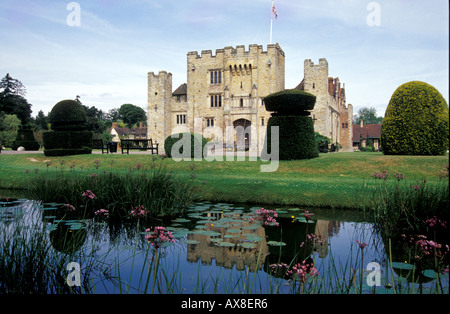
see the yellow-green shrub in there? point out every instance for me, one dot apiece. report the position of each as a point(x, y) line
point(416, 121)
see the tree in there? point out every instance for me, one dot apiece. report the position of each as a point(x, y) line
point(11, 86)
point(12, 98)
point(132, 114)
point(9, 125)
point(41, 121)
point(368, 115)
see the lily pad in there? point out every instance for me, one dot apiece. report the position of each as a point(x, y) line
point(399, 265)
point(276, 243)
point(234, 230)
point(181, 220)
point(225, 244)
point(247, 245)
point(254, 238)
point(192, 241)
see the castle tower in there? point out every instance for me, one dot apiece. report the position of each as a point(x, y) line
point(159, 107)
point(316, 83)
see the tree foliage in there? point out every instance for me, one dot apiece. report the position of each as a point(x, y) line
point(12, 98)
point(416, 121)
point(368, 115)
point(132, 114)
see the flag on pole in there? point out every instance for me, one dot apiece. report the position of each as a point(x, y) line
point(274, 10)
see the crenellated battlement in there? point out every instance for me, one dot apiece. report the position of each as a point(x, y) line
point(253, 49)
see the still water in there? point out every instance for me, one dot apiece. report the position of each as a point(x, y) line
point(222, 248)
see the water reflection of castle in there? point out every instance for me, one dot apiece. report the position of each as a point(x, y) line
point(206, 249)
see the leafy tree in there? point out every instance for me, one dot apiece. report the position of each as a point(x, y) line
point(12, 98)
point(368, 115)
point(132, 114)
point(9, 125)
point(41, 121)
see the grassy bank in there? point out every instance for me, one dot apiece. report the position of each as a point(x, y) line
point(341, 180)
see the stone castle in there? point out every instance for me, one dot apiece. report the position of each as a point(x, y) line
point(226, 90)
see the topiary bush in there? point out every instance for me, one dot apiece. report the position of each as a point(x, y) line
point(416, 121)
point(196, 141)
point(25, 138)
point(290, 102)
point(297, 139)
point(69, 135)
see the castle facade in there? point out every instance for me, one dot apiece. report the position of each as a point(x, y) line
point(225, 92)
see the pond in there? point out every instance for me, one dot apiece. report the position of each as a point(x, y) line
point(226, 248)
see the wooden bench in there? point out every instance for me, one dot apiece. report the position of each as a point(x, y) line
point(98, 144)
point(139, 144)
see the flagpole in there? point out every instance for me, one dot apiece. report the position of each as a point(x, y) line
point(271, 23)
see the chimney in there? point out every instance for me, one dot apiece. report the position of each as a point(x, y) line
point(114, 125)
point(362, 123)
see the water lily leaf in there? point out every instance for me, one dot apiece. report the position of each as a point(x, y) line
point(247, 245)
point(231, 236)
point(225, 244)
point(252, 227)
point(181, 220)
point(192, 241)
point(276, 243)
point(254, 238)
point(430, 273)
point(399, 265)
point(234, 230)
point(294, 209)
point(281, 211)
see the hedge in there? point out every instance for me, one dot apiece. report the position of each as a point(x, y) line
point(416, 121)
point(25, 138)
point(196, 141)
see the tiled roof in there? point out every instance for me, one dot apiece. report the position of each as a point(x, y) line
point(366, 131)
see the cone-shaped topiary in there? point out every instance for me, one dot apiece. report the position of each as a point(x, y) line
point(25, 138)
point(69, 135)
point(416, 121)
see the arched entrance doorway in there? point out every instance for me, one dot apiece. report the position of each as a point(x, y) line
point(242, 134)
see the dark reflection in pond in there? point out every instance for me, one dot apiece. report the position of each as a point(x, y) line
point(219, 248)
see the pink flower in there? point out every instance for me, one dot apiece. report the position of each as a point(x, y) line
point(159, 236)
point(139, 211)
point(88, 195)
point(416, 187)
point(307, 215)
point(266, 216)
point(361, 245)
point(69, 207)
point(101, 212)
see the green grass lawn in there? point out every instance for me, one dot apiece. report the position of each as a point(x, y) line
point(340, 180)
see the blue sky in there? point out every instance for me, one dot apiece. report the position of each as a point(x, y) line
point(106, 58)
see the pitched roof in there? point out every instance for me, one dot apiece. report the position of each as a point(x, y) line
point(366, 131)
point(181, 90)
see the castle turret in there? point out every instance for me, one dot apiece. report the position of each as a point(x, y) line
point(159, 107)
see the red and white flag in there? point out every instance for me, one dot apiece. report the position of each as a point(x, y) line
point(274, 10)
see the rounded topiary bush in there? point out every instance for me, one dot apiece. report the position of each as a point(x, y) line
point(296, 129)
point(68, 115)
point(290, 102)
point(69, 135)
point(416, 121)
point(175, 145)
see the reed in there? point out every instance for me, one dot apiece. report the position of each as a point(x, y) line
point(118, 192)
